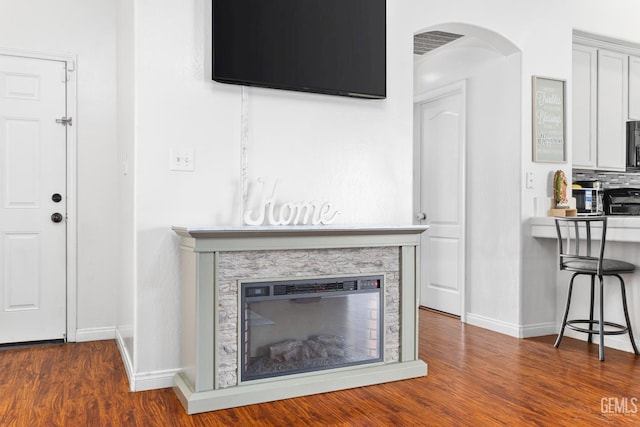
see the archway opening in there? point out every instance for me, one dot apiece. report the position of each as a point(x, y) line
point(489, 66)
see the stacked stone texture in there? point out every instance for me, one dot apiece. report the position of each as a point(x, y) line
point(234, 267)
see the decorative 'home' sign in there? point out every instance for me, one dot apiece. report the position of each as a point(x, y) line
point(548, 120)
point(290, 213)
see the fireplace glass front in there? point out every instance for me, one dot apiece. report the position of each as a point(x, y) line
point(307, 325)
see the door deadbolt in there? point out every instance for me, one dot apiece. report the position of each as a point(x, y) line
point(56, 217)
point(56, 197)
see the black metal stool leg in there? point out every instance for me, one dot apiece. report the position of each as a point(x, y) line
point(566, 313)
point(626, 314)
point(593, 285)
point(601, 322)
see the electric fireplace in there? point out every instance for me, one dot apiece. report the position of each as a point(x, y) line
point(270, 313)
point(297, 326)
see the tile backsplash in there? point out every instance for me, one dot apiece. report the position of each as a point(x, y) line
point(608, 179)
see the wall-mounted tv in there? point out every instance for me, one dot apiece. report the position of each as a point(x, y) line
point(334, 47)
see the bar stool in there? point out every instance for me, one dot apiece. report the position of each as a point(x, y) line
point(575, 245)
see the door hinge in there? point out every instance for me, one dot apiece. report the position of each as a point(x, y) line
point(65, 121)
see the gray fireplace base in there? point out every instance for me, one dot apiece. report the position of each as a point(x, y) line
point(286, 388)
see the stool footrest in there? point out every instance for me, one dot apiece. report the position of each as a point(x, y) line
point(573, 324)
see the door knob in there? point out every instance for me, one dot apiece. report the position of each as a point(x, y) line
point(421, 216)
point(56, 217)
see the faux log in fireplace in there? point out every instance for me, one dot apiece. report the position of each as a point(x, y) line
point(271, 313)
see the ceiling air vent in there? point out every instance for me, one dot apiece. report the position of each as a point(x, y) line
point(426, 42)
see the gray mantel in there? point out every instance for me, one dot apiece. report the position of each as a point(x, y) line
point(206, 382)
point(272, 237)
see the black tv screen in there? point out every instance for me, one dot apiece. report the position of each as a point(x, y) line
point(335, 47)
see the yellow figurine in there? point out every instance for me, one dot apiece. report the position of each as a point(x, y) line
point(560, 189)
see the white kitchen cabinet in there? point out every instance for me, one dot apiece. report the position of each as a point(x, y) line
point(612, 109)
point(585, 109)
point(634, 88)
point(600, 109)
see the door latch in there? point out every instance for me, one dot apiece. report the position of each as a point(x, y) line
point(65, 121)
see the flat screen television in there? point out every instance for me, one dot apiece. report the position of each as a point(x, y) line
point(335, 47)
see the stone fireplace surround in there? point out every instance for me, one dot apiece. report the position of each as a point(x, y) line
point(216, 260)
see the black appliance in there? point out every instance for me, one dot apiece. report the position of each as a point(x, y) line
point(633, 146)
point(335, 47)
point(622, 201)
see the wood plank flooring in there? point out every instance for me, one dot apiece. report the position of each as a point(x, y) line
point(476, 377)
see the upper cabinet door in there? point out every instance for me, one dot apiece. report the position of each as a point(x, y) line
point(634, 88)
point(612, 109)
point(584, 100)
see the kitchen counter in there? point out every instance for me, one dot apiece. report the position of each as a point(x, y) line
point(619, 228)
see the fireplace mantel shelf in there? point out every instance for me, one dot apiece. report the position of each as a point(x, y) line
point(205, 232)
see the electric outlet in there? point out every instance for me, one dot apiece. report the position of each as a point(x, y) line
point(530, 179)
point(182, 159)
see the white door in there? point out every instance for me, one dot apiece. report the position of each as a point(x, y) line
point(32, 179)
point(440, 117)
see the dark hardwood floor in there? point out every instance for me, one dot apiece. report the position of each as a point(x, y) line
point(476, 377)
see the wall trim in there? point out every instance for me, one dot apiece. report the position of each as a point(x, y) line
point(618, 342)
point(126, 359)
point(539, 329)
point(154, 380)
point(621, 342)
point(96, 334)
point(493, 325)
point(145, 380)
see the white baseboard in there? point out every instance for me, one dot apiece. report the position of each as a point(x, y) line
point(538, 330)
point(126, 359)
point(95, 334)
point(511, 329)
point(619, 342)
point(154, 380)
point(493, 325)
point(144, 380)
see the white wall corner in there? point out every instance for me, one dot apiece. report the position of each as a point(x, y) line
point(126, 359)
point(145, 380)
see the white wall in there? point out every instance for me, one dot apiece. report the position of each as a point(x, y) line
point(85, 29)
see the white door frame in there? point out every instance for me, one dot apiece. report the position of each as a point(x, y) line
point(418, 100)
point(71, 177)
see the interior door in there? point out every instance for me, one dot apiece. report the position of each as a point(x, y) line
point(32, 192)
point(441, 138)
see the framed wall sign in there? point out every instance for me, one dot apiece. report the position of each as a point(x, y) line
point(548, 120)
